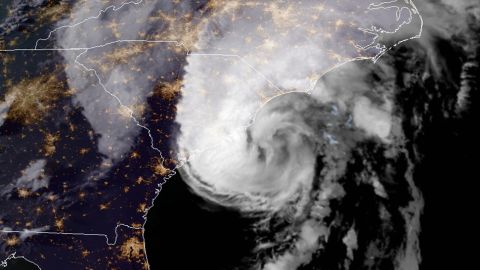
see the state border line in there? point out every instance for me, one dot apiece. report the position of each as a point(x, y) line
point(85, 50)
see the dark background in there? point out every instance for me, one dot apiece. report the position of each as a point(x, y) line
point(184, 231)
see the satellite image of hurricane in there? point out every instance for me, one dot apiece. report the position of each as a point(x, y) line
point(238, 134)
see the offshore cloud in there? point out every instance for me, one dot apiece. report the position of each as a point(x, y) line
point(225, 131)
point(253, 144)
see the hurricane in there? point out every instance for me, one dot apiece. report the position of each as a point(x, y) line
point(238, 134)
point(319, 150)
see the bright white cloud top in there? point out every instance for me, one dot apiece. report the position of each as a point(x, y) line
point(252, 144)
point(251, 52)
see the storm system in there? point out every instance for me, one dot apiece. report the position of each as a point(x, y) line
point(267, 135)
point(326, 171)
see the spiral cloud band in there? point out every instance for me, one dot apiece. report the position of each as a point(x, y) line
point(236, 143)
point(293, 133)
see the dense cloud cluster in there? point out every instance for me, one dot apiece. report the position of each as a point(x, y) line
point(308, 119)
point(306, 163)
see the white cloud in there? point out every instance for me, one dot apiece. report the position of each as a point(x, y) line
point(350, 241)
point(5, 107)
point(126, 84)
point(117, 132)
point(222, 94)
point(373, 120)
point(305, 246)
point(32, 179)
point(25, 234)
point(34, 176)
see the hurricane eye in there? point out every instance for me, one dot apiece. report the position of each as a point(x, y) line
point(261, 155)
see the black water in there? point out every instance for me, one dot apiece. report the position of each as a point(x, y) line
point(20, 264)
point(184, 231)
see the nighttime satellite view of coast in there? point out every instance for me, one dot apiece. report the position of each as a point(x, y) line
point(238, 134)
